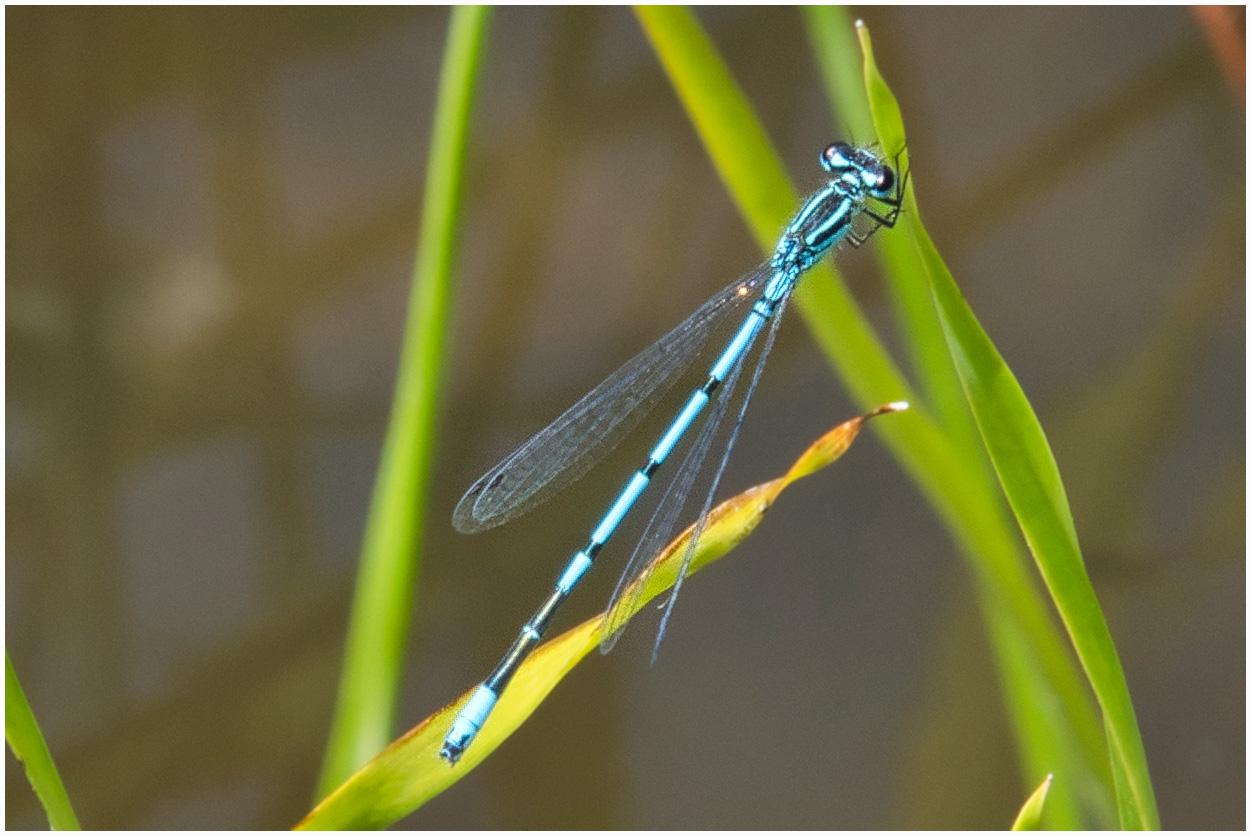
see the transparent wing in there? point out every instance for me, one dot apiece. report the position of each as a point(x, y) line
point(716, 480)
point(660, 528)
point(575, 442)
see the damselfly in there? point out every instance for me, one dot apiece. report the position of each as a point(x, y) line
point(860, 182)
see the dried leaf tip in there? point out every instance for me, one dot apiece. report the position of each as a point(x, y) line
point(894, 406)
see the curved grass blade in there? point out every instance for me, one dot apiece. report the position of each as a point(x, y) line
point(409, 772)
point(25, 740)
point(566, 449)
point(1047, 699)
point(365, 707)
point(1030, 816)
point(833, 36)
point(1027, 471)
point(1048, 706)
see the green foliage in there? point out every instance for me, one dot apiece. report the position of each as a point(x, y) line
point(1030, 479)
point(22, 733)
point(972, 441)
point(1030, 815)
point(381, 609)
point(410, 772)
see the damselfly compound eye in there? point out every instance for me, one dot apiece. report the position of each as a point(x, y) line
point(836, 157)
point(885, 180)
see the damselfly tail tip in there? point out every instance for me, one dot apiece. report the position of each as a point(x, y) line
point(450, 753)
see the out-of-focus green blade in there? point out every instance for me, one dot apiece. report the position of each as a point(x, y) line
point(833, 40)
point(1030, 815)
point(21, 730)
point(365, 710)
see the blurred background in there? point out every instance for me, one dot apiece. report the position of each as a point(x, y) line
point(211, 217)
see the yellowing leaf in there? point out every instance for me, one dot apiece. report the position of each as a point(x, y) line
point(409, 772)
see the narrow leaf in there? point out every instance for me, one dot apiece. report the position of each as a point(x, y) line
point(365, 710)
point(21, 730)
point(1033, 659)
point(1030, 816)
point(409, 772)
point(1030, 479)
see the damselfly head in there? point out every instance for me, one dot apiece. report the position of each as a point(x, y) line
point(842, 159)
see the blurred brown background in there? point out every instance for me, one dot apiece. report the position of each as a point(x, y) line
point(210, 226)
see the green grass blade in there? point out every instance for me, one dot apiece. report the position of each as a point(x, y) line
point(21, 730)
point(1029, 648)
point(754, 178)
point(1027, 471)
point(1056, 729)
point(409, 772)
point(833, 40)
point(365, 709)
point(833, 36)
point(1030, 479)
point(1030, 815)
